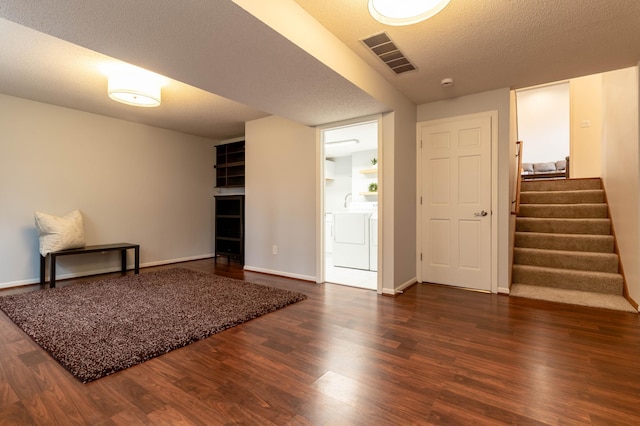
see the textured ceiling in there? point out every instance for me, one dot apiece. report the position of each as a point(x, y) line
point(46, 69)
point(213, 45)
point(228, 67)
point(490, 44)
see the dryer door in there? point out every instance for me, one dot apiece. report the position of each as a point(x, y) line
point(351, 240)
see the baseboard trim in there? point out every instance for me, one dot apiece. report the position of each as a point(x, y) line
point(178, 260)
point(503, 290)
point(406, 285)
point(59, 277)
point(400, 289)
point(11, 284)
point(279, 273)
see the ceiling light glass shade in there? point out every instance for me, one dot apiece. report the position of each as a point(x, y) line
point(404, 12)
point(133, 89)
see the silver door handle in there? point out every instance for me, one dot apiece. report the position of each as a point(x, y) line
point(481, 214)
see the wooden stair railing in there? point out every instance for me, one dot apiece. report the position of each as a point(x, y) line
point(515, 209)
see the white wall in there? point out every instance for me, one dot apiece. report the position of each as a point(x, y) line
point(621, 167)
point(496, 100)
point(133, 183)
point(280, 200)
point(337, 188)
point(543, 122)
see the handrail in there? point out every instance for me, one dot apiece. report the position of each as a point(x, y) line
point(516, 201)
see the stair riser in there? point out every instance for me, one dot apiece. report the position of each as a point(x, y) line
point(573, 261)
point(564, 226)
point(571, 280)
point(568, 211)
point(586, 243)
point(561, 185)
point(562, 197)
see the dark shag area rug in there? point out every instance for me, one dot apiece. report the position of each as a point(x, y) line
point(96, 328)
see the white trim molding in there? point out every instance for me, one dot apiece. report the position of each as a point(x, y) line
point(280, 273)
point(104, 270)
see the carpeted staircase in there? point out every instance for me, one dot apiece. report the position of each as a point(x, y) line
point(564, 250)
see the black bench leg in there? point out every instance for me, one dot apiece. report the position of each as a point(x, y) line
point(43, 269)
point(123, 260)
point(137, 259)
point(52, 274)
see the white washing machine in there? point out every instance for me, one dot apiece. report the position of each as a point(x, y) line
point(373, 242)
point(328, 232)
point(351, 239)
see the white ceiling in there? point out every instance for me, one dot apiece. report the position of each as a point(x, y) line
point(37, 66)
point(491, 44)
point(233, 67)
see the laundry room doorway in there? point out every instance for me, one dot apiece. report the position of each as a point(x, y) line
point(350, 204)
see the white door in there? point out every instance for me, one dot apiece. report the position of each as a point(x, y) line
point(455, 214)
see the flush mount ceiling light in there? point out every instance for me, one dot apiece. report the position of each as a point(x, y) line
point(342, 142)
point(404, 12)
point(134, 88)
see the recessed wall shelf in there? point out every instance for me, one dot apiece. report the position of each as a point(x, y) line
point(229, 218)
point(368, 171)
point(230, 165)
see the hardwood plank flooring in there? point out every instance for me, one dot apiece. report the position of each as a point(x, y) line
point(345, 356)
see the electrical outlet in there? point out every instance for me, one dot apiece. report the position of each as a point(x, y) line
point(274, 250)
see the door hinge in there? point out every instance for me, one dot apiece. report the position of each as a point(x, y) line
point(420, 200)
point(420, 143)
point(420, 257)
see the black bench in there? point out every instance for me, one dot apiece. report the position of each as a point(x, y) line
point(122, 247)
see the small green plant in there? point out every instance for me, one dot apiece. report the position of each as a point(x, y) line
point(374, 161)
point(373, 187)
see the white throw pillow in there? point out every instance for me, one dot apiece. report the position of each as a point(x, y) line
point(544, 167)
point(60, 233)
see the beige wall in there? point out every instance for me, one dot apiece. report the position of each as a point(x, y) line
point(280, 195)
point(586, 126)
point(496, 100)
point(398, 163)
point(621, 167)
point(404, 197)
point(133, 183)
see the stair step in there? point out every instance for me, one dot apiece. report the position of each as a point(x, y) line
point(564, 226)
point(564, 210)
point(561, 184)
point(562, 197)
point(569, 242)
point(598, 282)
point(575, 260)
point(574, 297)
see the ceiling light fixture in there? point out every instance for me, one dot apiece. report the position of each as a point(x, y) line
point(404, 12)
point(342, 142)
point(134, 88)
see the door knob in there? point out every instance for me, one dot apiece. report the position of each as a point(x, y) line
point(481, 214)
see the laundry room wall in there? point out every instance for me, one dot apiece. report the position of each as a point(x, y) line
point(361, 161)
point(337, 188)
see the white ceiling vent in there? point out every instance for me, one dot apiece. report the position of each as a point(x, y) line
point(382, 46)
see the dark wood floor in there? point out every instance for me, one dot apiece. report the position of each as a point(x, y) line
point(434, 355)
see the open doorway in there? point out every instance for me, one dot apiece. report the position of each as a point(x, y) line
point(544, 126)
point(567, 115)
point(351, 204)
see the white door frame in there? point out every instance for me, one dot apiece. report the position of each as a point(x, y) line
point(320, 220)
point(493, 115)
